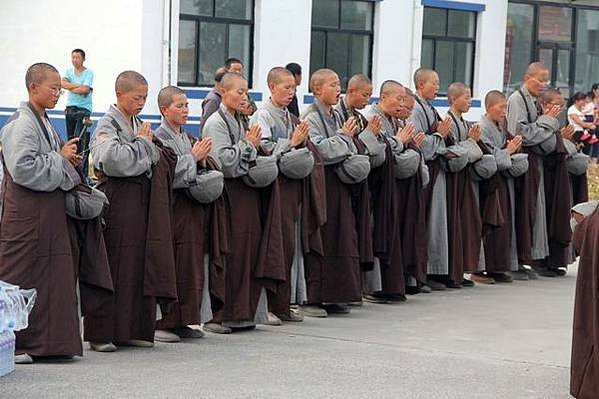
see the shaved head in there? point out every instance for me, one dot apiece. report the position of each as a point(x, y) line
point(423, 75)
point(276, 75)
point(389, 86)
point(359, 82)
point(493, 98)
point(536, 68)
point(37, 73)
point(456, 90)
point(320, 76)
point(550, 94)
point(129, 80)
point(166, 95)
point(230, 79)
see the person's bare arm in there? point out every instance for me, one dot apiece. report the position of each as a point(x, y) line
point(580, 122)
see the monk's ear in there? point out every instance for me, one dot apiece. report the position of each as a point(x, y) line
point(271, 86)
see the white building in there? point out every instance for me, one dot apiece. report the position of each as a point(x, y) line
point(183, 41)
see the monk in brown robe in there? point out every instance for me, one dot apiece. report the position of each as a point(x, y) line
point(584, 377)
point(135, 172)
point(35, 250)
point(192, 220)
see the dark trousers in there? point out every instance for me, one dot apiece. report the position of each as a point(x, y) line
point(74, 121)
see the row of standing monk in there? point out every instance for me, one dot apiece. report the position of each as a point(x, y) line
point(371, 203)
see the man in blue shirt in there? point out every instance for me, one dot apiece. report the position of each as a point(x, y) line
point(78, 80)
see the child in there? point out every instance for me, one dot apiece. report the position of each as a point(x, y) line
point(192, 219)
point(254, 218)
point(137, 235)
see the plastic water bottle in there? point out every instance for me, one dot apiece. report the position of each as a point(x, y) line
point(7, 352)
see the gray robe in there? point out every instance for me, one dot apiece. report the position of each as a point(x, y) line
point(121, 153)
point(496, 140)
point(234, 152)
point(433, 147)
point(332, 143)
point(277, 128)
point(523, 119)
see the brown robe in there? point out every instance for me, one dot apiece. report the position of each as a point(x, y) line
point(35, 252)
point(309, 195)
point(386, 237)
point(138, 237)
point(584, 377)
point(256, 257)
point(526, 192)
point(191, 241)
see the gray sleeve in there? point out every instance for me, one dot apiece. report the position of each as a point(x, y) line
point(532, 133)
point(209, 106)
point(433, 146)
point(503, 159)
point(374, 148)
point(235, 158)
point(30, 168)
point(333, 150)
point(407, 163)
point(185, 171)
point(262, 119)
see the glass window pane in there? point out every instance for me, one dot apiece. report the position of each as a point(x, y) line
point(461, 24)
point(196, 7)
point(587, 49)
point(444, 63)
point(212, 50)
point(555, 24)
point(464, 53)
point(426, 56)
point(518, 44)
point(239, 9)
point(562, 77)
point(546, 57)
point(317, 56)
point(239, 45)
point(186, 69)
point(435, 21)
point(325, 13)
point(360, 55)
point(356, 15)
point(338, 55)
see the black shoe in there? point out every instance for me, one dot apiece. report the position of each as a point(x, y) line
point(334, 308)
point(453, 285)
point(561, 272)
point(396, 298)
point(412, 290)
point(546, 272)
point(436, 286)
point(467, 283)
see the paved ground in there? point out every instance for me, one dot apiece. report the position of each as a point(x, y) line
point(503, 341)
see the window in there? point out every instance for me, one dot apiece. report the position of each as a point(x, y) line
point(210, 31)
point(342, 33)
point(518, 44)
point(448, 41)
point(587, 49)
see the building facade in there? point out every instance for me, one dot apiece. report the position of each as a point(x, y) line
point(182, 42)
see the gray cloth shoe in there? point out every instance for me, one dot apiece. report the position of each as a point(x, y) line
point(436, 286)
point(166, 336)
point(23, 359)
point(216, 328)
point(102, 346)
point(188, 332)
point(272, 320)
point(520, 275)
point(293, 317)
point(530, 272)
point(138, 343)
point(314, 311)
point(356, 304)
point(425, 289)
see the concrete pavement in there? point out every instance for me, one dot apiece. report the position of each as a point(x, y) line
point(502, 341)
